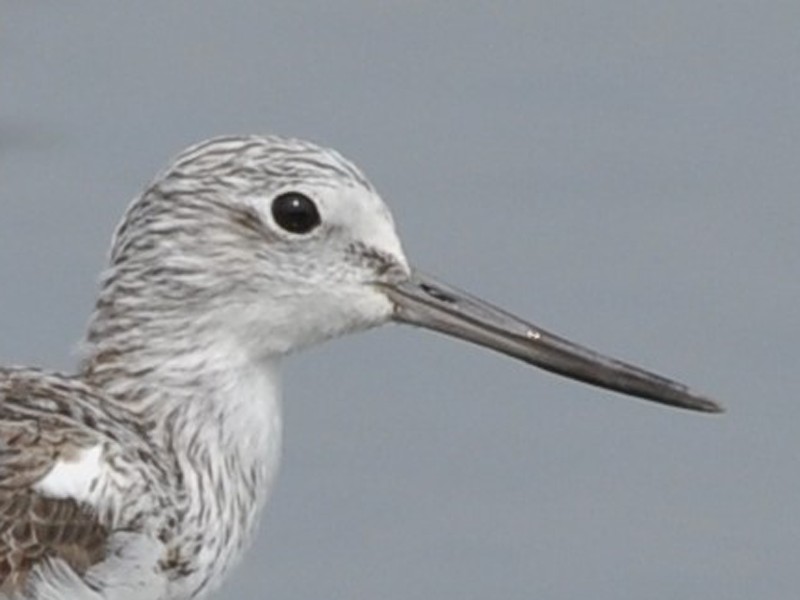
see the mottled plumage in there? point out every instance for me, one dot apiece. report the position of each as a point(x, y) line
point(142, 476)
point(178, 385)
point(48, 421)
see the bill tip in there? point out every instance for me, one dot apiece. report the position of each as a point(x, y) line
point(707, 405)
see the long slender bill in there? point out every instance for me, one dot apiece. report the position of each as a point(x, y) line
point(425, 302)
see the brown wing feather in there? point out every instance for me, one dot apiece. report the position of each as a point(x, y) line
point(38, 426)
point(34, 528)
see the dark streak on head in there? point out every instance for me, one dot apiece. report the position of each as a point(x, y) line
point(381, 263)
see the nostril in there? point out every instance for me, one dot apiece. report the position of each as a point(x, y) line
point(438, 294)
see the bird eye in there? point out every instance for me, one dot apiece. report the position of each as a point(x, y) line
point(295, 212)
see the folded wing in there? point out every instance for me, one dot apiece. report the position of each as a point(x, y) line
point(50, 453)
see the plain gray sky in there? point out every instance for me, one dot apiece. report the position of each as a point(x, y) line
point(624, 173)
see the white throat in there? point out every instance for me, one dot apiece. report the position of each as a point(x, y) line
point(216, 414)
point(229, 459)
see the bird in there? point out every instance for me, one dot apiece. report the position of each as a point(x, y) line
point(142, 474)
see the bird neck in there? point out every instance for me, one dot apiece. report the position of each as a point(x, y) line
point(215, 414)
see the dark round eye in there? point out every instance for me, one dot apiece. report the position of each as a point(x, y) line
point(295, 212)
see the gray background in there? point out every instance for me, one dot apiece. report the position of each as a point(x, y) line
point(625, 173)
